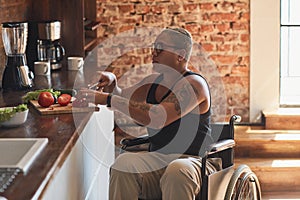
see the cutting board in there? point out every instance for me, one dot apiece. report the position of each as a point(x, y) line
point(58, 109)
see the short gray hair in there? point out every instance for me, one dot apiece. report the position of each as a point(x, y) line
point(182, 38)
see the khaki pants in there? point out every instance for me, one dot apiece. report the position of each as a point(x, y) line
point(151, 175)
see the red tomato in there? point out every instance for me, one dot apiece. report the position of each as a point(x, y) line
point(46, 99)
point(64, 99)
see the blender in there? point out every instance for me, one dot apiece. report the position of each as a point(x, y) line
point(16, 74)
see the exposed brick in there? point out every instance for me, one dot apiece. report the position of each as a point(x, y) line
point(206, 28)
point(132, 19)
point(152, 19)
point(111, 10)
point(114, 20)
point(128, 60)
point(207, 6)
point(245, 16)
point(239, 71)
point(158, 9)
point(240, 26)
point(192, 28)
point(224, 47)
point(231, 37)
point(245, 60)
point(225, 6)
point(245, 37)
point(111, 51)
point(190, 7)
point(147, 59)
point(217, 38)
point(241, 48)
point(126, 28)
point(205, 17)
point(125, 9)
point(241, 6)
point(224, 70)
point(225, 59)
point(225, 17)
point(222, 28)
point(208, 46)
point(142, 9)
point(175, 8)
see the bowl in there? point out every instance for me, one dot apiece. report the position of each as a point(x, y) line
point(19, 118)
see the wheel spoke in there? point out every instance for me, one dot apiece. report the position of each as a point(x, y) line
point(243, 185)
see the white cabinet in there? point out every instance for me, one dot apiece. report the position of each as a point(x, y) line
point(85, 173)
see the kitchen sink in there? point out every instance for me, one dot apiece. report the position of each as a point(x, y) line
point(20, 152)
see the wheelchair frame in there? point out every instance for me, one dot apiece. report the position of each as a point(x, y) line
point(230, 183)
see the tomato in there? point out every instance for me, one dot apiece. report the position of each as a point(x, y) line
point(46, 99)
point(80, 102)
point(64, 99)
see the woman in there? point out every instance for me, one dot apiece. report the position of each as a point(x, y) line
point(175, 106)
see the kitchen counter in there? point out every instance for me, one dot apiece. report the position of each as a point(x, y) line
point(62, 131)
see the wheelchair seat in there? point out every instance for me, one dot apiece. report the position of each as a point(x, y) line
point(230, 183)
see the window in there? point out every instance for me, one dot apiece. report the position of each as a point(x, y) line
point(290, 53)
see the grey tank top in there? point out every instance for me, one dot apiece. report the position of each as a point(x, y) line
point(190, 134)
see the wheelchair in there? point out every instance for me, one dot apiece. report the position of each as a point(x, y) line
point(231, 182)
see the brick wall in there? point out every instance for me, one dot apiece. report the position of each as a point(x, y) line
point(221, 27)
point(11, 10)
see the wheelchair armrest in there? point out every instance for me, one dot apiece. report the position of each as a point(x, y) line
point(220, 146)
point(125, 142)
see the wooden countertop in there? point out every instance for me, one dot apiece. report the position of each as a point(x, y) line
point(62, 131)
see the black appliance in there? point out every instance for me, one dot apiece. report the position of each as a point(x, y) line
point(48, 43)
point(17, 75)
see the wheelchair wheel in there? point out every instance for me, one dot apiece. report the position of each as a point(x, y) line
point(243, 185)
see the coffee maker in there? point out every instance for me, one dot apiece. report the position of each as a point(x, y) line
point(16, 74)
point(48, 43)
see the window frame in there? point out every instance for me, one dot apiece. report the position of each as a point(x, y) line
point(264, 57)
point(290, 74)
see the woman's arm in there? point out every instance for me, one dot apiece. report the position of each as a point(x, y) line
point(186, 96)
point(108, 83)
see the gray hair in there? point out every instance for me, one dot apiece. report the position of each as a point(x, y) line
point(182, 38)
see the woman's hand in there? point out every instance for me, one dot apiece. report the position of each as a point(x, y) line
point(93, 96)
point(107, 81)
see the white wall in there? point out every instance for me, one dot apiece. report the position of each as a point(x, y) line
point(264, 56)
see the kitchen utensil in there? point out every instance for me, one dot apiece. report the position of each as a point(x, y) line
point(93, 86)
point(48, 43)
point(16, 73)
